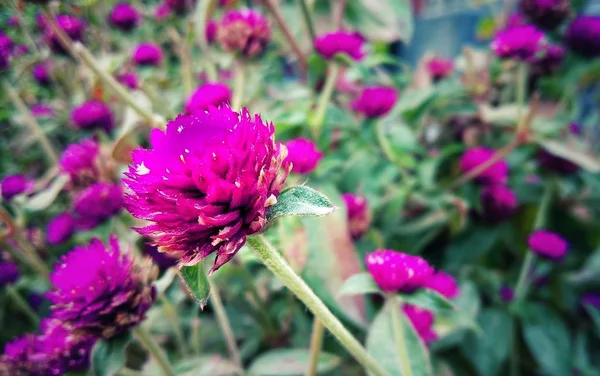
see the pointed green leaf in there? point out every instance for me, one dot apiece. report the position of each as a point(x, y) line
point(428, 299)
point(358, 284)
point(44, 198)
point(108, 356)
point(595, 314)
point(380, 344)
point(195, 280)
point(290, 362)
point(300, 201)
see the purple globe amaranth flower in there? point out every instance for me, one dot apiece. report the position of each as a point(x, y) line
point(9, 273)
point(79, 161)
point(97, 203)
point(41, 110)
point(129, 80)
point(147, 54)
point(22, 357)
point(13, 185)
point(93, 114)
point(211, 31)
point(41, 73)
point(473, 157)
point(515, 19)
point(208, 95)
point(396, 271)
point(63, 351)
point(181, 7)
point(498, 203)
point(550, 60)
point(506, 293)
point(422, 320)
point(71, 25)
point(60, 228)
point(303, 155)
point(340, 42)
point(551, 162)
point(245, 32)
point(547, 14)
point(583, 36)
point(440, 68)
point(124, 16)
point(519, 42)
point(575, 128)
point(547, 244)
point(100, 291)
point(162, 11)
point(20, 50)
point(375, 101)
point(359, 215)
point(206, 183)
point(13, 21)
point(444, 284)
point(6, 49)
point(162, 259)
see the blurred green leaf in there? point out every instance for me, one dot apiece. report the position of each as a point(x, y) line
point(300, 201)
point(43, 199)
point(108, 356)
point(384, 20)
point(595, 315)
point(290, 362)
point(574, 154)
point(428, 299)
point(195, 280)
point(206, 365)
point(358, 284)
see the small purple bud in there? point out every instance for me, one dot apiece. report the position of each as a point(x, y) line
point(498, 203)
point(375, 101)
point(303, 155)
point(359, 215)
point(340, 42)
point(60, 228)
point(548, 244)
point(396, 271)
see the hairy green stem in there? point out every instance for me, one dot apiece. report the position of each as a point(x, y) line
point(316, 342)
point(22, 304)
point(223, 321)
point(239, 86)
point(521, 88)
point(326, 93)
point(146, 340)
point(308, 20)
point(398, 333)
point(277, 264)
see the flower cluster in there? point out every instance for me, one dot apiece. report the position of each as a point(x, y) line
point(93, 114)
point(71, 25)
point(79, 161)
point(41, 73)
point(547, 244)
point(245, 32)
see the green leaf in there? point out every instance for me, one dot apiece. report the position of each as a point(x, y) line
point(300, 201)
point(46, 197)
point(195, 280)
point(358, 284)
point(595, 314)
point(572, 153)
point(382, 21)
point(290, 362)
point(206, 365)
point(108, 356)
point(548, 340)
point(428, 299)
point(380, 344)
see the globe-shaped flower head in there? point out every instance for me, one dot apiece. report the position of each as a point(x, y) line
point(93, 114)
point(547, 14)
point(207, 95)
point(181, 7)
point(340, 42)
point(13, 185)
point(549, 60)
point(444, 284)
point(422, 320)
point(71, 25)
point(60, 228)
point(129, 80)
point(124, 16)
point(79, 161)
point(583, 36)
point(396, 271)
point(498, 203)
point(206, 183)
point(9, 273)
point(303, 155)
point(359, 215)
point(61, 350)
point(245, 32)
point(519, 43)
point(101, 291)
point(375, 101)
point(548, 244)
point(440, 68)
point(41, 73)
point(97, 203)
point(22, 358)
point(147, 54)
point(6, 50)
point(472, 158)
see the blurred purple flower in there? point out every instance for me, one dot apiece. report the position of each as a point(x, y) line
point(551, 162)
point(100, 291)
point(60, 228)
point(205, 185)
point(41, 110)
point(162, 11)
point(515, 19)
point(583, 36)
point(147, 54)
point(547, 244)
point(519, 42)
point(62, 350)
point(440, 68)
point(550, 60)
point(473, 157)
point(97, 203)
point(591, 298)
point(547, 14)
point(93, 114)
point(422, 320)
point(575, 128)
point(211, 31)
point(375, 101)
point(506, 293)
point(359, 215)
point(303, 155)
point(207, 95)
point(79, 161)
point(9, 273)
point(71, 25)
point(161, 259)
point(20, 50)
point(22, 357)
point(41, 73)
point(181, 7)
point(124, 17)
point(340, 42)
point(6, 47)
point(13, 185)
point(13, 21)
point(498, 203)
point(129, 80)
point(444, 284)
point(245, 32)
point(396, 271)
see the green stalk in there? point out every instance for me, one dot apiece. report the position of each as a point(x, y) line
point(239, 86)
point(223, 321)
point(277, 264)
point(316, 342)
point(308, 20)
point(146, 340)
point(521, 87)
point(171, 313)
point(317, 121)
point(22, 304)
point(387, 149)
point(398, 333)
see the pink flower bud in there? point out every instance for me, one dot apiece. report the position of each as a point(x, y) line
point(396, 271)
point(548, 244)
point(496, 173)
point(359, 215)
point(303, 155)
point(375, 101)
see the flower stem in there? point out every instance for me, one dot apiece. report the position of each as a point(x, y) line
point(387, 149)
point(32, 124)
point(239, 86)
point(398, 333)
point(22, 304)
point(32, 255)
point(171, 313)
point(184, 57)
point(277, 264)
point(317, 121)
point(154, 349)
point(521, 86)
point(316, 342)
point(308, 20)
point(223, 320)
point(206, 11)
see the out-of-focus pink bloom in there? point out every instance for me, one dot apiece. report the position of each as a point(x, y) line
point(515, 19)
point(211, 31)
point(547, 14)
point(375, 101)
point(583, 36)
point(245, 32)
point(444, 284)
point(129, 80)
point(440, 68)
point(13, 21)
point(496, 173)
point(207, 95)
point(396, 271)
point(93, 115)
point(340, 42)
point(359, 215)
point(41, 110)
point(498, 203)
point(303, 155)
point(71, 25)
point(13, 185)
point(79, 161)
point(422, 320)
point(97, 203)
point(162, 11)
point(549, 59)
point(548, 244)
point(519, 42)
point(124, 17)
point(147, 54)
point(41, 73)
point(60, 228)
point(506, 293)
